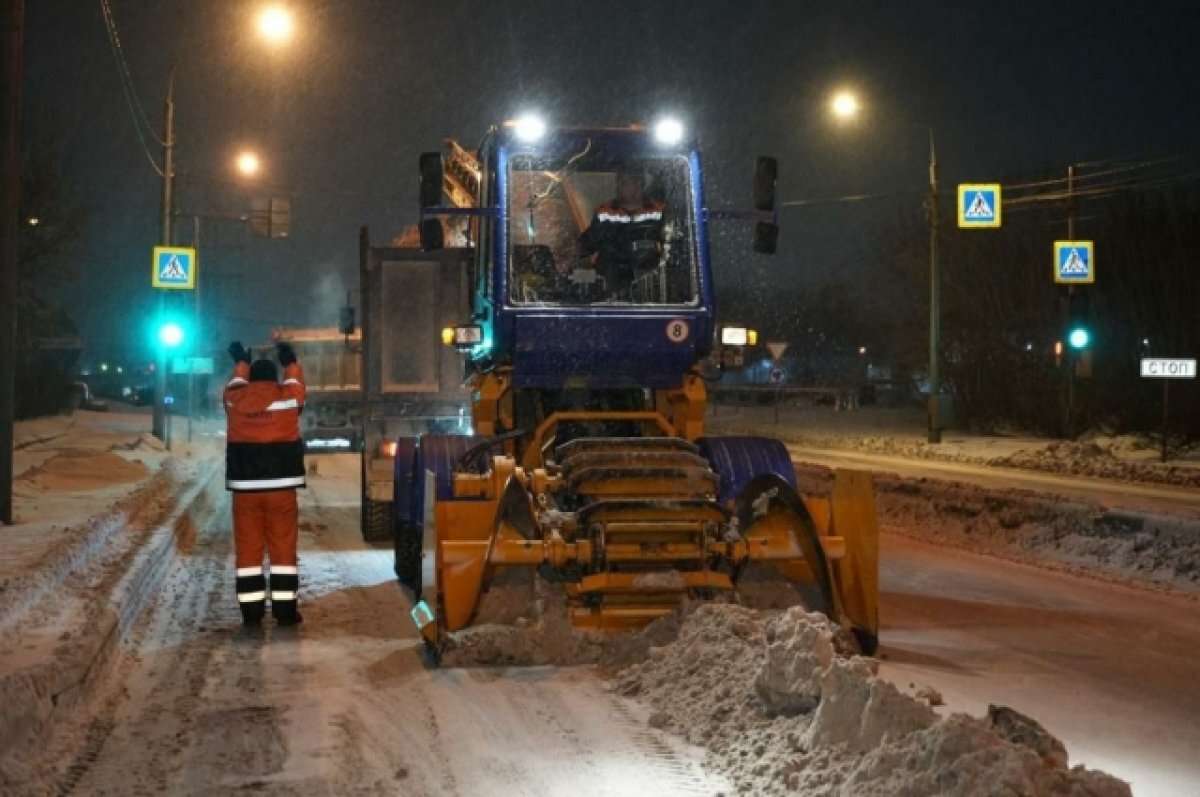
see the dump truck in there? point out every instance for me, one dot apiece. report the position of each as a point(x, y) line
point(585, 459)
point(412, 386)
point(332, 374)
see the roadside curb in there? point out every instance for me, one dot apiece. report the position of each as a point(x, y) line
point(110, 587)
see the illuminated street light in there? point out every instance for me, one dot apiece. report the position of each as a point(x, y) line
point(844, 105)
point(34, 221)
point(248, 164)
point(276, 24)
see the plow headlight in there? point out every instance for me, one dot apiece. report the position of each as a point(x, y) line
point(668, 131)
point(530, 128)
point(738, 336)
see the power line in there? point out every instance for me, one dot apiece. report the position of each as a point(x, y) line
point(1093, 190)
point(137, 113)
point(794, 203)
point(1089, 176)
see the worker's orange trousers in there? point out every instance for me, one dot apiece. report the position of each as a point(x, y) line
point(265, 522)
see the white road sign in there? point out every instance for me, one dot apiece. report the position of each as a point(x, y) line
point(777, 348)
point(1158, 368)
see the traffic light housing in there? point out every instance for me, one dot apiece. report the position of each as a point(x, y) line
point(1079, 322)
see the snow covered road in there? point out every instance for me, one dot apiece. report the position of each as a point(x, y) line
point(1109, 669)
point(344, 705)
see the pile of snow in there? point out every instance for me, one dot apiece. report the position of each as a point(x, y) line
point(779, 711)
point(1122, 459)
point(518, 625)
point(75, 470)
point(901, 434)
point(1139, 548)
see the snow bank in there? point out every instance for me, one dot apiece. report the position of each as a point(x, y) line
point(1132, 547)
point(1122, 459)
point(72, 471)
point(779, 711)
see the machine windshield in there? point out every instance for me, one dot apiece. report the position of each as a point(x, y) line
point(591, 228)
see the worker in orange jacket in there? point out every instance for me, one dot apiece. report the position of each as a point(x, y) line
point(264, 464)
point(626, 234)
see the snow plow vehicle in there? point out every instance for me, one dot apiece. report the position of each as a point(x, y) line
point(588, 464)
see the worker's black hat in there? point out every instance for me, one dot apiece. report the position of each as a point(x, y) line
point(264, 371)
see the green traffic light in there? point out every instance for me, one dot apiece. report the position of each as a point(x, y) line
point(170, 334)
point(1079, 338)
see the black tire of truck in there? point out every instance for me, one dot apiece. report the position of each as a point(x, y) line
point(377, 520)
point(408, 556)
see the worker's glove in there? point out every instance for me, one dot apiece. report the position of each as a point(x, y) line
point(287, 355)
point(238, 352)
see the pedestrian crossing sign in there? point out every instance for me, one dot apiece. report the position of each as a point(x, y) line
point(1074, 262)
point(173, 267)
point(978, 205)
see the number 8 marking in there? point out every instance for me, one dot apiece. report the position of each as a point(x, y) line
point(677, 330)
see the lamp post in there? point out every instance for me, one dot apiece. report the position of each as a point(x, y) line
point(159, 417)
point(12, 24)
point(845, 106)
point(935, 305)
point(276, 25)
point(249, 165)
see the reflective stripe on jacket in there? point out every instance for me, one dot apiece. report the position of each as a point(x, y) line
point(264, 450)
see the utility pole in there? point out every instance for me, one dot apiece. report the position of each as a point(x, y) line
point(935, 309)
point(1069, 426)
point(158, 428)
point(10, 202)
point(195, 326)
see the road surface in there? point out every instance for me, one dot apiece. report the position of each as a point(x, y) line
point(343, 705)
point(1109, 669)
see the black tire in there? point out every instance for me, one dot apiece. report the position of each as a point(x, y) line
point(377, 520)
point(408, 556)
point(868, 643)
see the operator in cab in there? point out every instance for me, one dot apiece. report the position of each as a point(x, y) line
point(625, 237)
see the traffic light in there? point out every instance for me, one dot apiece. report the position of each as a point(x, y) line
point(1079, 321)
point(170, 334)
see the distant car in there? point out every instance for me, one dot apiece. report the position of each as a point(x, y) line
point(140, 395)
point(82, 399)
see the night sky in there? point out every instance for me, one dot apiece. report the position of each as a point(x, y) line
point(1012, 90)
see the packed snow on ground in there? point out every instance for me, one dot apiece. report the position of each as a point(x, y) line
point(1136, 548)
point(901, 433)
point(782, 706)
point(780, 711)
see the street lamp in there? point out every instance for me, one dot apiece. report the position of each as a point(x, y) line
point(845, 106)
point(275, 25)
point(248, 164)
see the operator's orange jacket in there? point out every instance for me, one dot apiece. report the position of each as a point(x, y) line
point(265, 450)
